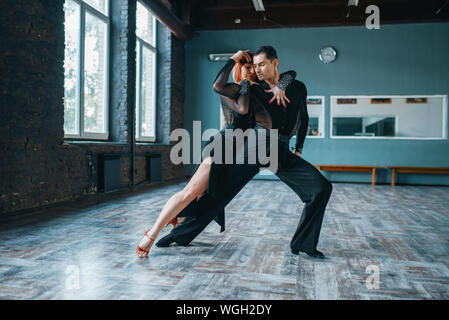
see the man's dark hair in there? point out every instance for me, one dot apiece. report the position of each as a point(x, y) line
point(269, 52)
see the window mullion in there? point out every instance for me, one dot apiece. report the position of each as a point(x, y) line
point(154, 33)
point(81, 83)
point(106, 79)
point(96, 12)
point(138, 91)
point(154, 80)
point(140, 88)
point(147, 45)
point(154, 93)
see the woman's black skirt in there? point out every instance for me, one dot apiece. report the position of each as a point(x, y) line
point(220, 183)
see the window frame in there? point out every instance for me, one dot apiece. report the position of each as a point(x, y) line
point(83, 135)
point(140, 44)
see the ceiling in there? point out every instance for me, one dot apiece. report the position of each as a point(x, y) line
point(222, 14)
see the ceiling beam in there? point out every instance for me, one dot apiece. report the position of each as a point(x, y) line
point(179, 28)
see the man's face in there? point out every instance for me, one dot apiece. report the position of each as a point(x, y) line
point(265, 69)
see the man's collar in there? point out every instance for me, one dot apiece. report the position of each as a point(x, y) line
point(265, 85)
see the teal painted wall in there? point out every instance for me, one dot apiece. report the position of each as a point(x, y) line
point(410, 59)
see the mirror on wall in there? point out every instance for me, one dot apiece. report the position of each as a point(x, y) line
point(315, 109)
point(420, 117)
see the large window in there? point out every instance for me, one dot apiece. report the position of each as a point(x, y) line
point(86, 68)
point(146, 74)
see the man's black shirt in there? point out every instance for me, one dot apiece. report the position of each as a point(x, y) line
point(293, 119)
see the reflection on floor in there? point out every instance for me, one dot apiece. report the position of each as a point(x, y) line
point(88, 252)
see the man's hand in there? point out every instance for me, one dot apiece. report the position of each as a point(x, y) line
point(279, 95)
point(239, 55)
point(297, 153)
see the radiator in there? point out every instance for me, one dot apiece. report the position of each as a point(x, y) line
point(154, 167)
point(108, 172)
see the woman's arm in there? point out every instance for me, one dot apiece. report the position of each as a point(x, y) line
point(221, 85)
point(233, 96)
point(241, 104)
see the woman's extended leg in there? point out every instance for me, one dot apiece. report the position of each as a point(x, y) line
point(195, 189)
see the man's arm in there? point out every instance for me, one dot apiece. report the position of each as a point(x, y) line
point(302, 122)
point(278, 91)
point(286, 79)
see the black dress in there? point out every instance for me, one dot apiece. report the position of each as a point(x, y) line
point(235, 104)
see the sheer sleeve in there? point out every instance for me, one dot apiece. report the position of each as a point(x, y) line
point(221, 85)
point(302, 122)
point(286, 79)
point(241, 103)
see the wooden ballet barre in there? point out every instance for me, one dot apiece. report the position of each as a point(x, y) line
point(332, 167)
point(404, 169)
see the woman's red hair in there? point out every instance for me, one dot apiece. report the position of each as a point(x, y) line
point(237, 70)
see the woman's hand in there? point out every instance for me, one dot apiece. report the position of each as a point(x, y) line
point(252, 82)
point(239, 55)
point(279, 95)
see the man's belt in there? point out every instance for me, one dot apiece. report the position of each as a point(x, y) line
point(281, 137)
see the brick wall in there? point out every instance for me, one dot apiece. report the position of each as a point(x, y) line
point(38, 166)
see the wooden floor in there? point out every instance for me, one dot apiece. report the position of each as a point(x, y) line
point(88, 252)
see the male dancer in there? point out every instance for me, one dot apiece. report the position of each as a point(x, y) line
point(302, 177)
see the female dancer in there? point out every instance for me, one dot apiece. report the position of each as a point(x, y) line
point(205, 179)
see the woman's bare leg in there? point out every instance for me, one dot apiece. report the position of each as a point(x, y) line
point(195, 189)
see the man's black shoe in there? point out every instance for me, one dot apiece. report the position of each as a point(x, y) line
point(165, 241)
point(314, 254)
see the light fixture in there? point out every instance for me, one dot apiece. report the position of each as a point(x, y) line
point(220, 56)
point(258, 5)
point(351, 3)
point(439, 10)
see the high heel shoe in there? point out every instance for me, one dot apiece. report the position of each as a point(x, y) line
point(173, 222)
point(147, 250)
